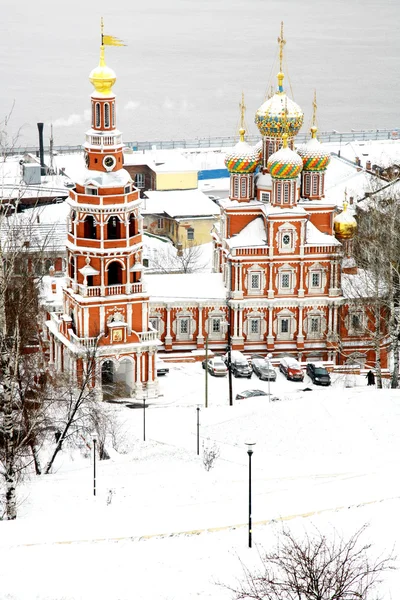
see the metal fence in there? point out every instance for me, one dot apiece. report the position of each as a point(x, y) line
point(335, 137)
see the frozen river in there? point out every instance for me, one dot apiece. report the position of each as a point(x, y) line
point(187, 61)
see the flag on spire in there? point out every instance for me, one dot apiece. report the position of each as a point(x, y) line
point(109, 40)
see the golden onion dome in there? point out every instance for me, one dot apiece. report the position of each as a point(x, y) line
point(278, 114)
point(315, 156)
point(285, 163)
point(102, 77)
point(243, 158)
point(344, 224)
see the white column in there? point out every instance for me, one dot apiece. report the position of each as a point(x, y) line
point(235, 322)
point(330, 319)
point(150, 370)
point(270, 288)
point(86, 321)
point(102, 316)
point(300, 328)
point(240, 273)
point(138, 366)
point(144, 316)
point(335, 319)
point(102, 274)
point(168, 338)
point(240, 322)
point(200, 337)
point(301, 288)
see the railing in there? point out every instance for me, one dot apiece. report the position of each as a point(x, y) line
point(226, 141)
point(111, 290)
point(253, 251)
point(108, 140)
point(321, 249)
point(87, 342)
point(147, 336)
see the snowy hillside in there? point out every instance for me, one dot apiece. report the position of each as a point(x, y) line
point(162, 527)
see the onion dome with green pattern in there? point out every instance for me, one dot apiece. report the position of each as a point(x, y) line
point(285, 163)
point(243, 158)
point(315, 156)
point(279, 114)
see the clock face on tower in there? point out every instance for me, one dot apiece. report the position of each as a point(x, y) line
point(109, 162)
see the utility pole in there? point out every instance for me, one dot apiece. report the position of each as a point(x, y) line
point(230, 356)
point(206, 374)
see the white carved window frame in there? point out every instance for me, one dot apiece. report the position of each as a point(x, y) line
point(316, 269)
point(284, 314)
point(255, 270)
point(158, 323)
point(286, 229)
point(259, 318)
point(177, 325)
point(218, 316)
point(286, 270)
point(359, 313)
point(309, 322)
point(265, 197)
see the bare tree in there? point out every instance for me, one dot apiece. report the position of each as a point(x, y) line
point(314, 568)
point(188, 258)
point(377, 249)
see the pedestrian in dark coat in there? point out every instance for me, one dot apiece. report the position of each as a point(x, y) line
point(370, 378)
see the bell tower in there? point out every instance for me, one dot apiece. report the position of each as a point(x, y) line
point(105, 302)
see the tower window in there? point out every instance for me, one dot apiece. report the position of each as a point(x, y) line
point(286, 193)
point(106, 115)
point(113, 114)
point(113, 228)
point(243, 187)
point(236, 187)
point(307, 184)
point(97, 110)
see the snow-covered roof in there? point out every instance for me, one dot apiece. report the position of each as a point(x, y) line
point(179, 203)
point(315, 237)
point(13, 186)
point(253, 234)
point(263, 180)
point(380, 152)
point(343, 178)
point(185, 286)
point(160, 161)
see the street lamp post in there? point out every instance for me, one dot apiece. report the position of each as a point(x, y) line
point(198, 430)
point(230, 357)
point(206, 374)
point(250, 452)
point(269, 356)
point(94, 465)
point(144, 417)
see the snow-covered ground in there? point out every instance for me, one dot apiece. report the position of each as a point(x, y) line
point(162, 527)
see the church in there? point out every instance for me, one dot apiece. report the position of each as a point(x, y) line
point(280, 253)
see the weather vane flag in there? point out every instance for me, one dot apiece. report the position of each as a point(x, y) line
point(109, 40)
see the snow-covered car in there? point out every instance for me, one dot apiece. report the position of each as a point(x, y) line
point(161, 367)
point(250, 394)
point(263, 369)
point(217, 367)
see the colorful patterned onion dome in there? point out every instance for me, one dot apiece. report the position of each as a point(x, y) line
point(259, 149)
point(243, 158)
point(102, 77)
point(279, 114)
point(315, 156)
point(285, 163)
point(344, 224)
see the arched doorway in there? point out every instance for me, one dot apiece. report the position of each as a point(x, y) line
point(108, 379)
point(114, 273)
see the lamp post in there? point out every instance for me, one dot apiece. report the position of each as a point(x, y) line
point(269, 356)
point(250, 452)
point(230, 357)
point(198, 430)
point(206, 374)
point(144, 416)
point(94, 465)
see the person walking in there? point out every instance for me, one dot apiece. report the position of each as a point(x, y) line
point(370, 378)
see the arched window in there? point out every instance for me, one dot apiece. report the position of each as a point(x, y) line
point(92, 115)
point(89, 229)
point(307, 184)
point(113, 228)
point(315, 185)
point(72, 218)
point(97, 109)
point(243, 187)
point(114, 273)
point(132, 225)
point(106, 115)
point(236, 187)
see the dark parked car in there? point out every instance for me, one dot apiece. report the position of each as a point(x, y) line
point(319, 375)
point(250, 394)
point(161, 367)
point(263, 369)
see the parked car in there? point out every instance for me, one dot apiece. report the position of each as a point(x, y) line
point(161, 367)
point(291, 368)
point(217, 367)
point(239, 364)
point(318, 374)
point(250, 394)
point(263, 369)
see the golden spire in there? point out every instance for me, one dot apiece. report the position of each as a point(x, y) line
point(242, 129)
point(281, 42)
point(102, 77)
point(314, 128)
point(285, 140)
